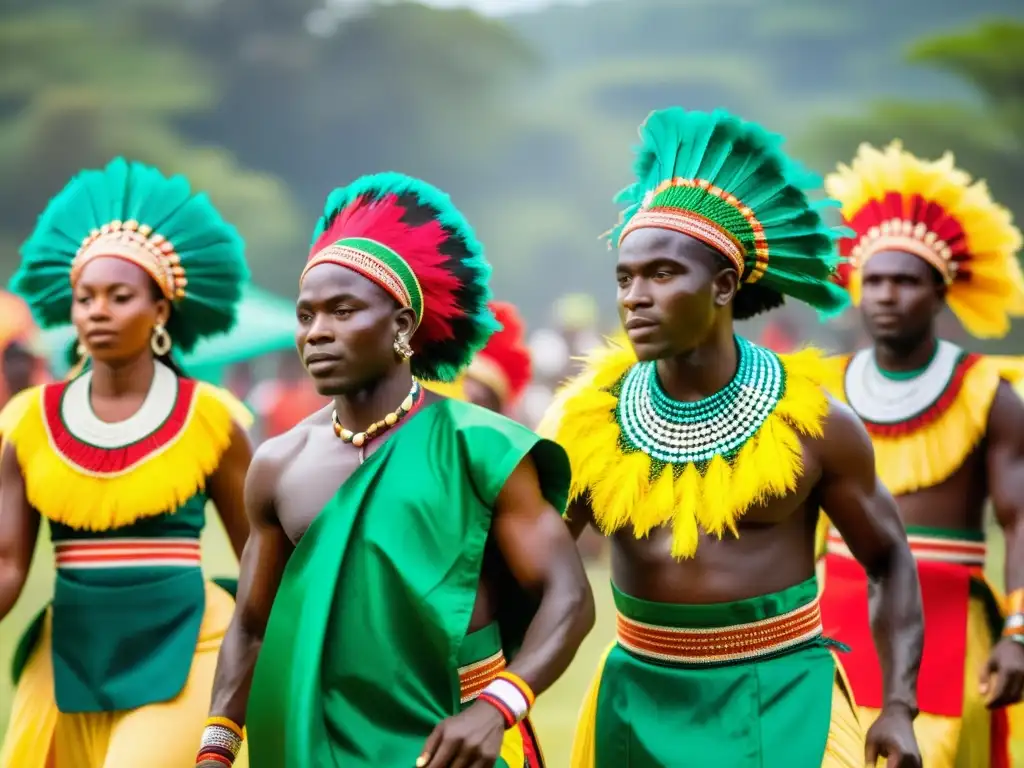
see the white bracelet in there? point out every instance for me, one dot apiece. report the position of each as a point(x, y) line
point(509, 694)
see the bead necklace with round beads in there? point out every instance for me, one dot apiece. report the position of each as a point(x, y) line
point(681, 433)
point(378, 428)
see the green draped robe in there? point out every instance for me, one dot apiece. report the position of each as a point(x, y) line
point(360, 658)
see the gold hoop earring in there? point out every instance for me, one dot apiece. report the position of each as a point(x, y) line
point(160, 342)
point(402, 349)
point(81, 351)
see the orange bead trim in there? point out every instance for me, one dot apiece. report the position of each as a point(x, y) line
point(761, 252)
point(135, 242)
point(724, 645)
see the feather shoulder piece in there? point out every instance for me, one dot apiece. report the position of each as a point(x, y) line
point(94, 475)
point(645, 461)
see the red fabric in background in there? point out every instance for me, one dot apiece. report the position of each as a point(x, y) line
point(945, 593)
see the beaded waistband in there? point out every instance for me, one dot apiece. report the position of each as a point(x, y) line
point(128, 553)
point(473, 678)
point(720, 645)
point(939, 549)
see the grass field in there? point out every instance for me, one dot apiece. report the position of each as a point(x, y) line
point(555, 715)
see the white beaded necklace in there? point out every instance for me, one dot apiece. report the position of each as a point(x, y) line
point(882, 400)
point(82, 422)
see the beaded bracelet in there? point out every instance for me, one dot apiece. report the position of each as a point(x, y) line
point(1014, 624)
point(511, 696)
point(222, 740)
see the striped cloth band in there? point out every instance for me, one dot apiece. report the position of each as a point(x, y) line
point(720, 645)
point(473, 678)
point(931, 548)
point(127, 553)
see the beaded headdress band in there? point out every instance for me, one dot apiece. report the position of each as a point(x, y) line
point(376, 262)
point(662, 208)
point(136, 243)
point(726, 182)
point(133, 212)
point(894, 201)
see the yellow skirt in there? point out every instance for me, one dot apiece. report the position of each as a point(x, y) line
point(164, 735)
point(967, 741)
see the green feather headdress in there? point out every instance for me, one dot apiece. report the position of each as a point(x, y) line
point(726, 182)
point(133, 212)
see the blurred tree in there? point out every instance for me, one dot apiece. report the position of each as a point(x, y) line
point(81, 85)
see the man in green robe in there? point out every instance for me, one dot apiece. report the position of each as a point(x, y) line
point(409, 584)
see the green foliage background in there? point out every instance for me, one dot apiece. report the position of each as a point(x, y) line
point(527, 120)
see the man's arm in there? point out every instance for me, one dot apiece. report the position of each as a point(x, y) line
point(544, 560)
point(262, 564)
point(19, 529)
point(1003, 676)
point(579, 515)
point(867, 517)
point(226, 489)
point(542, 556)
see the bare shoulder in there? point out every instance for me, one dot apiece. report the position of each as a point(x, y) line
point(277, 452)
point(273, 457)
point(1007, 412)
point(844, 446)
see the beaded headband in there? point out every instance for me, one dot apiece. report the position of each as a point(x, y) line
point(657, 212)
point(905, 235)
point(135, 243)
point(376, 262)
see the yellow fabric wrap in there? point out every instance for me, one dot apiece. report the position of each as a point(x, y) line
point(582, 420)
point(931, 454)
point(164, 735)
point(966, 741)
point(160, 483)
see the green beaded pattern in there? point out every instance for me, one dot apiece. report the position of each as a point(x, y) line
point(677, 434)
point(395, 263)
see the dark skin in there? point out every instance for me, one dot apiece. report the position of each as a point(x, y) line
point(18, 367)
point(115, 309)
point(480, 394)
point(347, 327)
point(901, 297)
point(675, 305)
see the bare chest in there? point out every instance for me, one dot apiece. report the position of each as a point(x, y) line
point(957, 503)
point(312, 480)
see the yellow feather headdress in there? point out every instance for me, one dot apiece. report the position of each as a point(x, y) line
point(931, 209)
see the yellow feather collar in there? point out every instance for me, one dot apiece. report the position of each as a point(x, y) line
point(93, 489)
point(927, 453)
point(619, 485)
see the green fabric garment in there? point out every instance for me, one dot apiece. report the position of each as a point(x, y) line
point(123, 637)
point(360, 658)
point(772, 712)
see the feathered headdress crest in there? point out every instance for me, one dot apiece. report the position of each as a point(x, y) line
point(133, 212)
point(409, 238)
point(726, 182)
point(893, 200)
point(504, 364)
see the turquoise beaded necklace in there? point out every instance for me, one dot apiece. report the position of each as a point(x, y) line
point(676, 433)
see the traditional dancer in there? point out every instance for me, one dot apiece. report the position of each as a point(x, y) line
point(948, 432)
point(121, 461)
point(409, 585)
point(704, 457)
point(500, 372)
